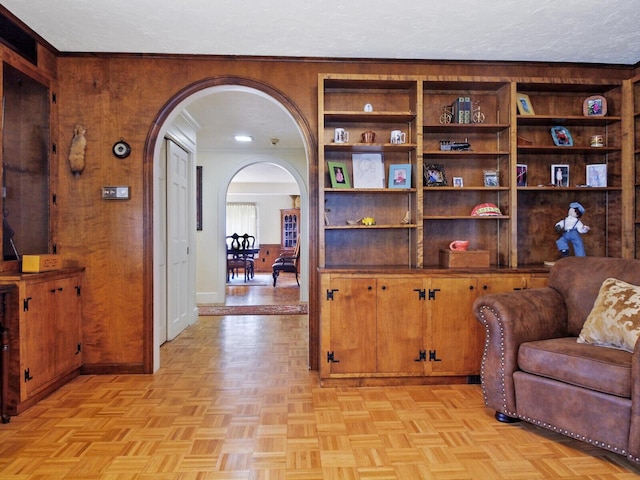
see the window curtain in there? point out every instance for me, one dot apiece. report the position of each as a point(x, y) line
point(243, 218)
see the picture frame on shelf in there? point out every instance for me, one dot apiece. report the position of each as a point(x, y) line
point(594, 106)
point(458, 182)
point(434, 175)
point(597, 175)
point(368, 170)
point(400, 175)
point(524, 104)
point(339, 175)
point(521, 175)
point(561, 136)
point(560, 175)
point(491, 178)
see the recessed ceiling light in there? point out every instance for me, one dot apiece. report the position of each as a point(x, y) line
point(243, 138)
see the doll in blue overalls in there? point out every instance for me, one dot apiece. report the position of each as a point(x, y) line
point(571, 228)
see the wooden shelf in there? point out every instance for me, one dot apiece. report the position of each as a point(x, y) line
point(369, 147)
point(370, 227)
point(368, 117)
point(466, 127)
point(466, 217)
point(570, 120)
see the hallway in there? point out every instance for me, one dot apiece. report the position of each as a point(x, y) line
point(234, 400)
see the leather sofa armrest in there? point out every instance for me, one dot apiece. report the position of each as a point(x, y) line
point(511, 319)
point(634, 434)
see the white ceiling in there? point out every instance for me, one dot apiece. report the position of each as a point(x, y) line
point(588, 31)
point(592, 31)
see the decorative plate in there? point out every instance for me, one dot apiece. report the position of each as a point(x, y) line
point(561, 137)
point(121, 149)
point(594, 106)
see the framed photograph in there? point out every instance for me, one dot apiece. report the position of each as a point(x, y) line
point(560, 175)
point(339, 175)
point(491, 178)
point(521, 175)
point(400, 176)
point(368, 170)
point(561, 137)
point(434, 175)
point(458, 182)
point(597, 175)
point(594, 106)
point(524, 104)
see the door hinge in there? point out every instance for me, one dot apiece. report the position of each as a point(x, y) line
point(432, 293)
point(433, 357)
point(422, 293)
point(54, 148)
point(27, 375)
point(331, 292)
point(54, 97)
point(54, 199)
point(78, 290)
point(25, 304)
point(78, 349)
point(422, 357)
point(54, 248)
point(331, 358)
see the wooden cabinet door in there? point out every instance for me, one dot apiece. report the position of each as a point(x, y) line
point(352, 314)
point(37, 367)
point(500, 283)
point(399, 325)
point(454, 336)
point(67, 324)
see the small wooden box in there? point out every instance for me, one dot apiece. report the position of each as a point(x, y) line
point(40, 263)
point(465, 259)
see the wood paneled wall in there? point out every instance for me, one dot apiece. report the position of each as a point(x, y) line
point(125, 96)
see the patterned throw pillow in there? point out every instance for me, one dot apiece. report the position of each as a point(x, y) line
point(614, 320)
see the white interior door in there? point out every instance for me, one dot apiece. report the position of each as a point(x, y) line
point(178, 173)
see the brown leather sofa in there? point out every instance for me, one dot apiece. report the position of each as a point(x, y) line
point(533, 369)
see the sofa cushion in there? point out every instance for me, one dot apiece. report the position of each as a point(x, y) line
point(614, 320)
point(605, 370)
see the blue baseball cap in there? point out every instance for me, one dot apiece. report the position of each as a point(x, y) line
point(577, 206)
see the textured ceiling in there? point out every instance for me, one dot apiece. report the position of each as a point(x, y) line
point(519, 30)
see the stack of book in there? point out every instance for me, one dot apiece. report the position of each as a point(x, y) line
point(462, 110)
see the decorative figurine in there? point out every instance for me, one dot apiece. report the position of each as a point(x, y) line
point(571, 228)
point(77, 150)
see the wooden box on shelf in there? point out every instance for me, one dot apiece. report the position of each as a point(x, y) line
point(464, 259)
point(40, 263)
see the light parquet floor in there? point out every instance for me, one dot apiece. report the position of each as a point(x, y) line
point(234, 400)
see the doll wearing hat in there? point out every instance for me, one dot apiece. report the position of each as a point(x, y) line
point(571, 228)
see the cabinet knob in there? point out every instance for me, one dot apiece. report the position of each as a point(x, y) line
point(384, 287)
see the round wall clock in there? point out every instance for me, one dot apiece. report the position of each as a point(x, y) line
point(121, 149)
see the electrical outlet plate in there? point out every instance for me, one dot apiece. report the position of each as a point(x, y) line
point(116, 193)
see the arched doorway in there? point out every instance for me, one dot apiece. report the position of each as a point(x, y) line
point(151, 221)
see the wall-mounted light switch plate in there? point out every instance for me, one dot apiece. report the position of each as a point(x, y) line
point(116, 193)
